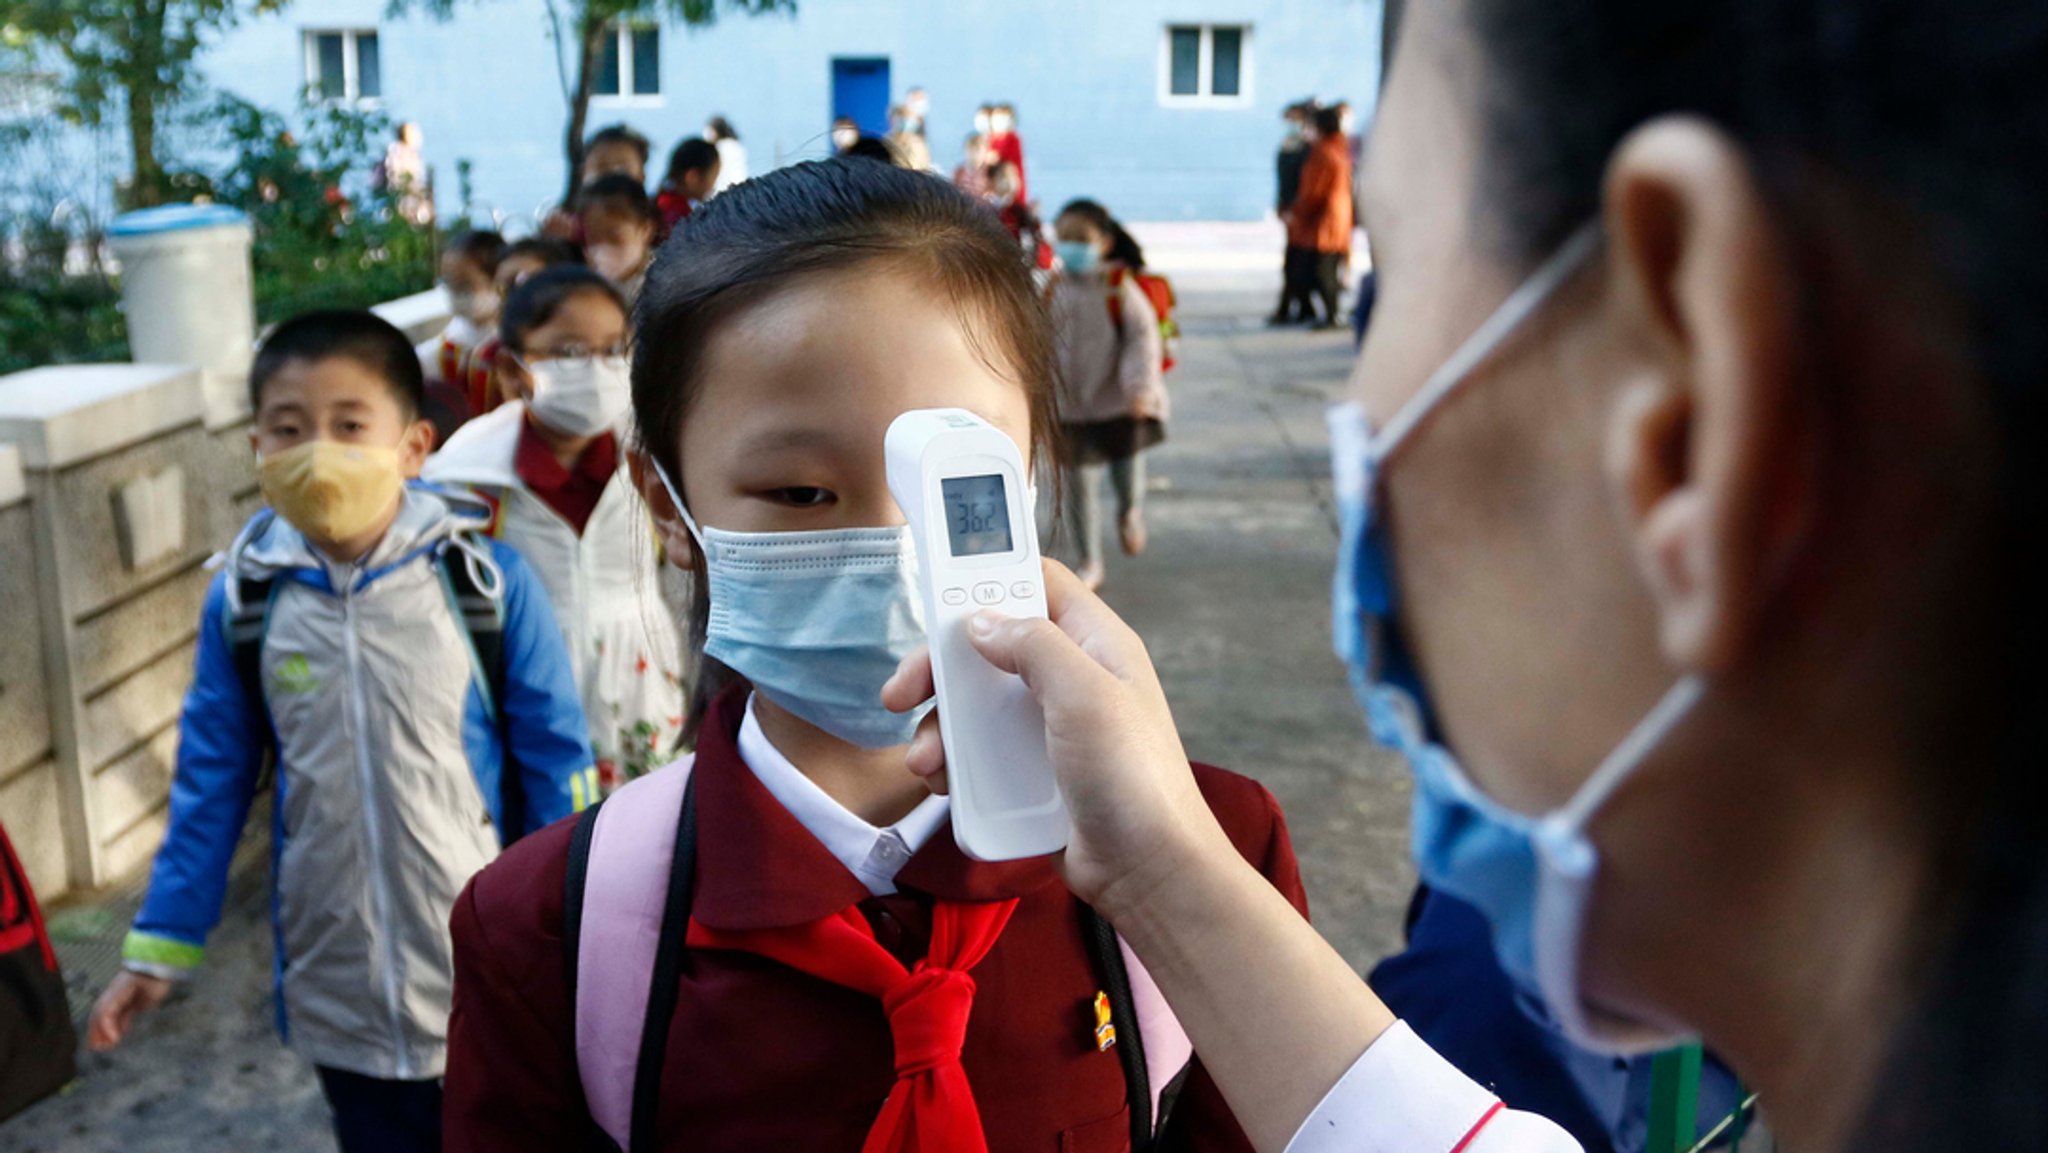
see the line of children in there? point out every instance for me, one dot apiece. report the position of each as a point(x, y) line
point(550, 464)
point(835, 950)
point(1112, 371)
point(405, 678)
point(620, 225)
point(456, 367)
point(693, 174)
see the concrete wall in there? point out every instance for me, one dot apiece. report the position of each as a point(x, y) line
point(1084, 74)
point(28, 765)
point(117, 482)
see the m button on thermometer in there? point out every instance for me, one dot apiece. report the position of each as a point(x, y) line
point(963, 486)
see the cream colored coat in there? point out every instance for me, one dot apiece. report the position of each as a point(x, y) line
point(606, 586)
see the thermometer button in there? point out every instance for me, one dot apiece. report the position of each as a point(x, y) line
point(954, 596)
point(988, 593)
point(1023, 590)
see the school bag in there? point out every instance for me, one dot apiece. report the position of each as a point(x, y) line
point(38, 1050)
point(628, 893)
point(480, 615)
point(1159, 291)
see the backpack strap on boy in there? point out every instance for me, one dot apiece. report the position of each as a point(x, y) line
point(247, 619)
point(628, 893)
point(479, 609)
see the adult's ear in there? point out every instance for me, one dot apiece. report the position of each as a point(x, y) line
point(1709, 446)
point(676, 542)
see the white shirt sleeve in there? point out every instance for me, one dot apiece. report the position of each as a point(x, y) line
point(1401, 1096)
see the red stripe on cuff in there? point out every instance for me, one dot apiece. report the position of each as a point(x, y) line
point(1466, 1141)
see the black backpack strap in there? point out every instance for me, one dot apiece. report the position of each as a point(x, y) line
point(482, 617)
point(666, 987)
point(1123, 1014)
point(572, 896)
point(245, 627)
point(576, 881)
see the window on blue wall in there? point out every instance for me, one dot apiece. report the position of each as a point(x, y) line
point(1186, 48)
point(344, 66)
point(646, 62)
point(1226, 60)
point(1206, 65)
point(630, 65)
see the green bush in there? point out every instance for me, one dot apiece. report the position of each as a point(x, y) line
point(318, 243)
point(51, 314)
point(324, 238)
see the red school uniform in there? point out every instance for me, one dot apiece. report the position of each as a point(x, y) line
point(761, 1056)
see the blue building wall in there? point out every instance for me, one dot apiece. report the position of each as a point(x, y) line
point(1084, 74)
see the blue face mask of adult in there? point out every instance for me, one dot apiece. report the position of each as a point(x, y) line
point(1078, 256)
point(1532, 876)
point(817, 621)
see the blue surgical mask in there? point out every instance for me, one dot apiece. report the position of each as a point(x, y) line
point(1078, 256)
point(817, 621)
point(1532, 876)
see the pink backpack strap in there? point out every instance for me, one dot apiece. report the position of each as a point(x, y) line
point(1167, 1048)
point(625, 886)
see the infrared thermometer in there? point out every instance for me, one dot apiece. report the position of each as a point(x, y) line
point(962, 484)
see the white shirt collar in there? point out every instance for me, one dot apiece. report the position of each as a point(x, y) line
point(872, 855)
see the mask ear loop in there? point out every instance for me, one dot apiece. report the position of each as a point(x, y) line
point(1649, 732)
point(676, 498)
point(1483, 342)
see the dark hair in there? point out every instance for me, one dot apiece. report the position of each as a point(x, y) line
point(693, 155)
point(619, 134)
point(482, 247)
point(343, 334)
point(617, 193)
point(540, 296)
point(722, 127)
point(818, 218)
point(547, 249)
point(1931, 119)
point(871, 148)
point(1123, 247)
point(1329, 121)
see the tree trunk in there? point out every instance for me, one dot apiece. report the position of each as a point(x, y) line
point(591, 33)
point(142, 91)
point(146, 182)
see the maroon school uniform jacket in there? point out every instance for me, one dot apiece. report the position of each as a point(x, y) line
point(762, 1057)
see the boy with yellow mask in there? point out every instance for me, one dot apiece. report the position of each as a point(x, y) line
point(409, 680)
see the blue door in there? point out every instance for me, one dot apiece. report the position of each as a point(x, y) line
point(860, 92)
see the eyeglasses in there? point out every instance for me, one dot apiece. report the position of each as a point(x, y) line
point(572, 352)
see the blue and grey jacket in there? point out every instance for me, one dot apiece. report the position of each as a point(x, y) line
point(388, 773)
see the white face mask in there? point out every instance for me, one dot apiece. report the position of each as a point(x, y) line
point(1000, 123)
point(581, 396)
point(476, 307)
point(616, 262)
point(981, 123)
point(845, 138)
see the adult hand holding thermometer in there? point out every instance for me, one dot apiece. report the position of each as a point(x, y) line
point(962, 485)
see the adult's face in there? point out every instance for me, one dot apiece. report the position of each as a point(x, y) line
point(1512, 563)
point(1644, 483)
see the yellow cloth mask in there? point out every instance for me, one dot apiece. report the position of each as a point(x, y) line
point(331, 491)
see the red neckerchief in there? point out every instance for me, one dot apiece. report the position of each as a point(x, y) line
point(931, 1108)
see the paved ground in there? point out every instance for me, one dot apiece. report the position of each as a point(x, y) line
point(1232, 598)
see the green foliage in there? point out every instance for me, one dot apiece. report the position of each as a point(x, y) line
point(127, 60)
point(51, 311)
point(324, 238)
